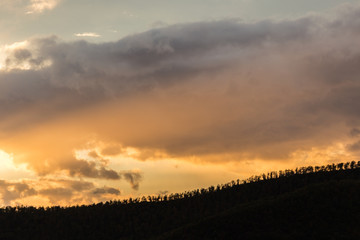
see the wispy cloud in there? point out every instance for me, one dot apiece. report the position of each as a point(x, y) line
point(39, 6)
point(87, 34)
point(128, 14)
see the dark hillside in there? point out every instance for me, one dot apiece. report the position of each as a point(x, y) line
point(306, 203)
point(329, 210)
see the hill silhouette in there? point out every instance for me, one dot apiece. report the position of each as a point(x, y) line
point(319, 202)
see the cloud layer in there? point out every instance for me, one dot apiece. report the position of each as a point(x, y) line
point(211, 91)
point(54, 191)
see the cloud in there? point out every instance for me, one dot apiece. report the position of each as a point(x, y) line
point(14, 190)
point(39, 6)
point(354, 147)
point(128, 14)
point(159, 24)
point(354, 132)
point(216, 91)
point(112, 150)
point(106, 190)
point(87, 34)
point(133, 177)
point(83, 168)
point(57, 194)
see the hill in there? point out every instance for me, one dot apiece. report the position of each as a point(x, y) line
point(305, 203)
point(321, 211)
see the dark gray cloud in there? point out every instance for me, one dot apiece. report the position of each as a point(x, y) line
point(133, 178)
point(355, 147)
point(354, 132)
point(105, 190)
point(83, 168)
point(76, 185)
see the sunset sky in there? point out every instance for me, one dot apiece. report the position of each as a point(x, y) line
point(103, 100)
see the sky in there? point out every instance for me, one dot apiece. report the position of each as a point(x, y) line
point(104, 100)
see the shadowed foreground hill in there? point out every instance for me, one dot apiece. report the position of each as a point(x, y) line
point(305, 203)
point(328, 210)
